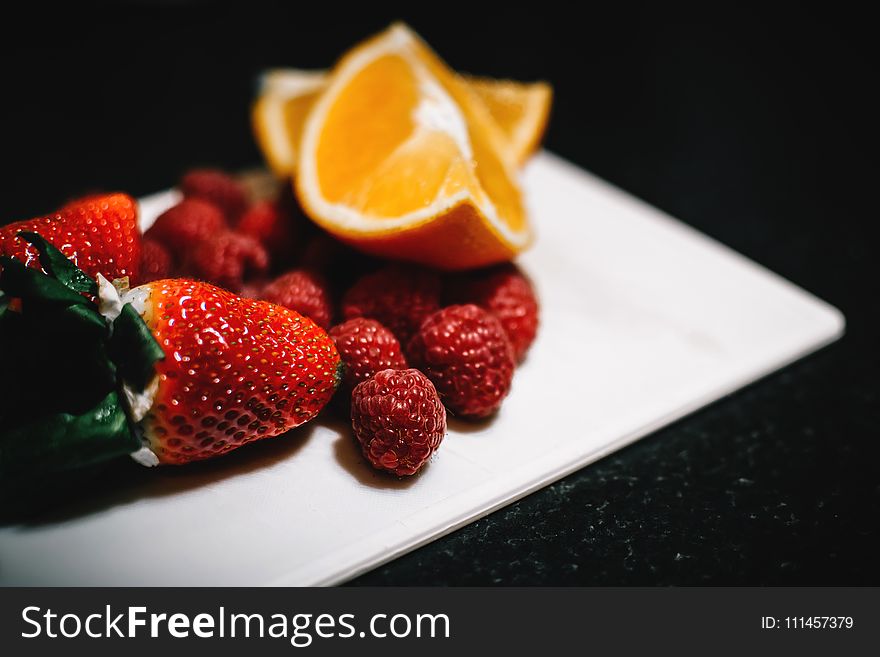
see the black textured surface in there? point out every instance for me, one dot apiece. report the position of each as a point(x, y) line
point(756, 129)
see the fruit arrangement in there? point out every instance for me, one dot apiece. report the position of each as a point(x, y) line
point(375, 270)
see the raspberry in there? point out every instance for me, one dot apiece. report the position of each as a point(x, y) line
point(465, 352)
point(189, 222)
point(366, 347)
point(270, 226)
point(156, 261)
point(506, 293)
point(253, 288)
point(303, 291)
point(398, 420)
point(399, 296)
point(217, 187)
point(227, 258)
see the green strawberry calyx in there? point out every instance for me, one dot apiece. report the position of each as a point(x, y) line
point(70, 374)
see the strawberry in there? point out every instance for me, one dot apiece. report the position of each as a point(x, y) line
point(218, 188)
point(235, 370)
point(227, 259)
point(267, 223)
point(366, 347)
point(467, 355)
point(305, 292)
point(506, 293)
point(156, 261)
point(398, 296)
point(398, 420)
point(186, 224)
point(170, 372)
point(99, 234)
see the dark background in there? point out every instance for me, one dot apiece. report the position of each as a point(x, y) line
point(756, 128)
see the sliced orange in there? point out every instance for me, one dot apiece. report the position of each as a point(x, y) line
point(520, 109)
point(401, 159)
point(280, 111)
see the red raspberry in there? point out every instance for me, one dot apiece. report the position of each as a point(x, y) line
point(270, 226)
point(253, 288)
point(219, 188)
point(399, 296)
point(227, 258)
point(366, 347)
point(303, 291)
point(506, 293)
point(156, 262)
point(189, 222)
point(398, 420)
point(465, 352)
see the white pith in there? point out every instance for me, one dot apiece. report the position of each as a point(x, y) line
point(291, 82)
point(273, 115)
point(437, 111)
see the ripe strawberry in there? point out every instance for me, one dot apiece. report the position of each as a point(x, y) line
point(398, 296)
point(235, 370)
point(270, 226)
point(172, 371)
point(303, 291)
point(99, 234)
point(226, 259)
point(219, 188)
point(398, 420)
point(366, 347)
point(506, 293)
point(156, 261)
point(189, 222)
point(467, 355)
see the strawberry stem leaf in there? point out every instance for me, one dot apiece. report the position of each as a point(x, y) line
point(46, 301)
point(16, 280)
point(133, 348)
point(48, 445)
point(62, 409)
point(59, 266)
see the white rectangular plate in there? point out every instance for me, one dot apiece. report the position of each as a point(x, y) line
point(643, 321)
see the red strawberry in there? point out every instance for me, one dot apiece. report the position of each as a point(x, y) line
point(270, 226)
point(156, 261)
point(366, 347)
point(398, 420)
point(186, 224)
point(303, 291)
point(506, 293)
point(399, 296)
point(235, 370)
point(226, 259)
point(466, 353)
point(99, 234)
point(219, 188)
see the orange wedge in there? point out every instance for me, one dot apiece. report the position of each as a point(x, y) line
point(279, 112)
point(399, 158)
point(520, 109)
